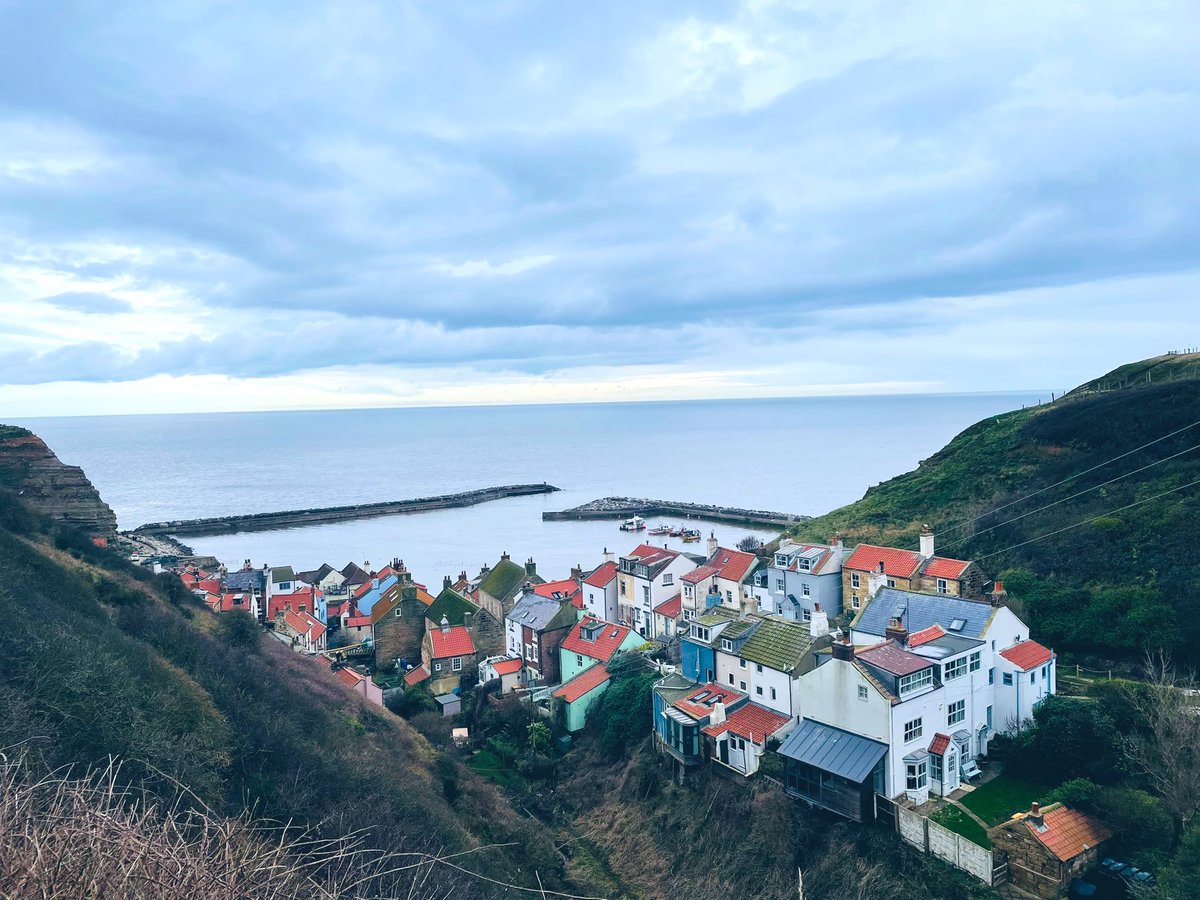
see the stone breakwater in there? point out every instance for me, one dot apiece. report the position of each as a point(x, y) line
point(297, 518)
point(624, 507)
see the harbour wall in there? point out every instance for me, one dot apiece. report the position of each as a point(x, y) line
point(624, 507)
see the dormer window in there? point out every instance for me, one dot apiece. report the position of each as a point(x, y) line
point(700, 632)
point(917, 681)
point(727, 645)
point(804, 565)
point(591, 631)
point(781, 560)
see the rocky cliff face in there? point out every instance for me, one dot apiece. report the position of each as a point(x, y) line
point(31, 470)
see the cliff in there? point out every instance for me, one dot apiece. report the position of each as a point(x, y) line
point(31, 471)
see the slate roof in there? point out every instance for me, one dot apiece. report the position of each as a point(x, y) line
point(1068, 832)
point(753, 722)
point(897, 563)
point(833, 750)
point(921, 611)
point(777, 644)
point(539, 613)
point(312, 576)
point(583, 683)
point(457, 609)
point(893, 658)
point(244, 580)
point(1027, 655)
point(602, 575)
point(454, 641)
point(603, 647)
point(503, 581)
point(354, 573)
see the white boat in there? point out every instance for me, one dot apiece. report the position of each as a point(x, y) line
point(637, 523)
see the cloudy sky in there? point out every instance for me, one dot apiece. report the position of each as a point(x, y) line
point(220, 205)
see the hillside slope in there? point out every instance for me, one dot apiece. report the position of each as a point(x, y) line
point(100, 659)
point(1098, 539)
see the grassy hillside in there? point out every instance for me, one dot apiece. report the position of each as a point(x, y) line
point(99, 659)
point(1125, 579)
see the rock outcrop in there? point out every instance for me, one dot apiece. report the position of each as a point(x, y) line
point(31, 471)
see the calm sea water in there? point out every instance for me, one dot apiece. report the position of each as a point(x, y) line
point(805, 455)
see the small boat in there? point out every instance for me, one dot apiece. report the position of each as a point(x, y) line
point(637, 523)
point(675, 531)
point(659, 530)
point(690, 535)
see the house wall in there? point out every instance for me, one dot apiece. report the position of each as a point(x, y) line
point(399, 637)
point(786, 698)
point(831, 697)
point(601, 602)
point(696, 660)
point(849, 590)
point(548, 655)
point(487, 633)
point(575, 714)
point(1015, 702)
point(1031, 866)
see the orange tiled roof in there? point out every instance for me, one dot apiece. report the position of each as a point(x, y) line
point(942, 567)
point(939, 744)
point(753, 722)
point(1069, 832)
point(564, 588)
point(349, 677)
point(506, 666)
point(700, 702)
point(897, 563)
point(603, 647)
point(583, 683)
point(454, 641)
point(925, 635)
point(732, 564)
point(1027, 655)
point(699, 574)
point(604, 573)
point(416, 676)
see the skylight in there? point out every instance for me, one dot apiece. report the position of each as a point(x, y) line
point(958, 624)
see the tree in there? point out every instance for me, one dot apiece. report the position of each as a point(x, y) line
point(750, 544)
point(539, 737)
point(1166, 749)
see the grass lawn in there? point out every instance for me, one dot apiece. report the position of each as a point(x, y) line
point(1004, 795)
point(492, 767)
point(960, 823)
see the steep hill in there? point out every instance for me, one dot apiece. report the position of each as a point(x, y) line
point(100, 660)
point(1088, 507)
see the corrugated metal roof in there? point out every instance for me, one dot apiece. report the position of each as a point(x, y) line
point(921, 611)
point(833, 750)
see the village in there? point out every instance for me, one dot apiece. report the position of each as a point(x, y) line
point(866, 681)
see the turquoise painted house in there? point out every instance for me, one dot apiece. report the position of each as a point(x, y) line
point(584, 655)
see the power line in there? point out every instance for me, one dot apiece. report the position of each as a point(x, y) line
point(1091, 520)
point(1070, 478)
point(1073, 496)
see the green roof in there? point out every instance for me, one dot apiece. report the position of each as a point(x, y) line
point(280, 574)
point(504, 580)
point(736, 628)
point(451, 604)
point(716, 616)
point(780, 645)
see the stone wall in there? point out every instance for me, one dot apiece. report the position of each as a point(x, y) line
point(1031, 866)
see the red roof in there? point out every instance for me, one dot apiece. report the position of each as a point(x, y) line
point(577, 600)
point(753, 722)
point(670, 608)
point(607, 642)
point(358, 621)
point(1027, 655)
point(897, 563)
point(733, 564)
point(603, 575)
point(303, 623)
point(583, 683)
point(699, 703)
point(506, 666)
point(891, 657)
point(325, 661)
point(939, 744)
point(941, 567)
point(563, 589)
point(211, 585)
point(306, 598)
point(362, 589)
point(700, 573)
point(925, 635)
point(454, 641)
point(349, 677)
point(416, 676)
point(1068, 832)
point(645, 551)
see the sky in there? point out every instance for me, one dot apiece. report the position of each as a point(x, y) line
point(224, 206)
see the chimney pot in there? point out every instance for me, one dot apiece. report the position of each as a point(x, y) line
point(1035, 809)
point(843, 650)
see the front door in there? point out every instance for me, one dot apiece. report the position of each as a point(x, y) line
point(725, 752)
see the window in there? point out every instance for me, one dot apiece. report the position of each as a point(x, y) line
point(779, 585)
point(993, 646)
point(989, 718)
point(1008, 678)
point(1044, 676)
point(956, 712)
point(772, 693)
point(726, 645)
point(729, 596)
point(668, 579)
point(913, 730)
point(956, 668)
point(759, 691)
point(854, 580)
point(781, 560)
point(891, 582)
point(758, 667)
point(806, 615)
point(804, 564)
point(854, 603)
point(741, 663)
point(646, 592)
point(578, 659)
point(622, 586)
point(935, 768)
point(862, 692)
point(397, 612)
point(916, 775)
point(456, 663)
point(992, 676)
point(731, 678)
point(688, 615)
point(942, 586)
point(916, 681)
point(1032, 677)
point(437, 667)
point(687, 590)
point(975, 663)
point(742, 685)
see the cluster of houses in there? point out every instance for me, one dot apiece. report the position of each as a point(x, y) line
point(900, 702)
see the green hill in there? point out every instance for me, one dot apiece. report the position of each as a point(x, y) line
point(1098, 540)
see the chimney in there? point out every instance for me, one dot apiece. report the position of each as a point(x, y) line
point(608, 555)
point(446, 582)
point(999, 595)
point(483, 571)
point(408, 592)
point(896, 631)
point(926, 541)
point(246, 567)
point(717, 716)
point(530, 567)
point(445, 625)
point(843, 649)
point(819, 626)
point(712, 543)
point(504, 556)
point(577, 572)
point(1035, 815)
point(838, 548)
point(462, 576)
point(875, 581)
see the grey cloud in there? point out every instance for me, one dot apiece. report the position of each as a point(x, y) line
point(85, 302)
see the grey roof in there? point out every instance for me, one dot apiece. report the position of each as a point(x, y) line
point(945, 646)
point(919, 611)
point(245, 580)
point(536, 612)
point(833, 750)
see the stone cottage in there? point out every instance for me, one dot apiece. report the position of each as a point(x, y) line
point(1048, 846)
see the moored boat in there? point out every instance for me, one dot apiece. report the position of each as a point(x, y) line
point(637, 523)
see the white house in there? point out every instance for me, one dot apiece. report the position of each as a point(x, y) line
point(599, 590)
point(1025, 676)
point(647, 577)
point(765, 658)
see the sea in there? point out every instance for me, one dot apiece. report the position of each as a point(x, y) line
point(804, 456)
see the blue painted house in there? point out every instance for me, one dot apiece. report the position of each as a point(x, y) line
point(697, 654)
